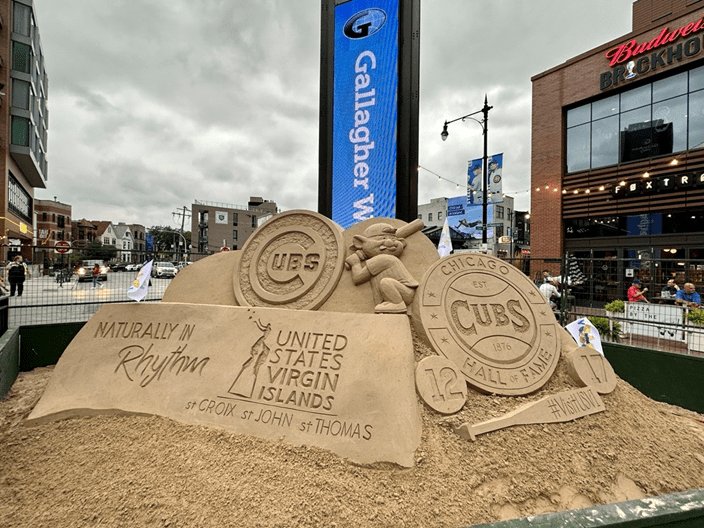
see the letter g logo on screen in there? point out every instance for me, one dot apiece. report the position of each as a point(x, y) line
point(364, 24)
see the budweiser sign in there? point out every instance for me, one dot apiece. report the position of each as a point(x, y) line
point(632, 48)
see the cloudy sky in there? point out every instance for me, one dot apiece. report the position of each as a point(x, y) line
point(157, 103)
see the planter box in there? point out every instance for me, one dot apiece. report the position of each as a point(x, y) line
point(695, 337)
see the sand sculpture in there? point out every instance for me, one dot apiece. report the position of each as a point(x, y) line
point(376, 258)
point(272, 366)
point(213, 366)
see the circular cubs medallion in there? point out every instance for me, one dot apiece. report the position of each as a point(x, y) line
point(294, 261)
point(440, 384)
point(491, 320)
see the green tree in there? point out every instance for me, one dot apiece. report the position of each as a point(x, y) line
point(162, 238)
point(165, 241)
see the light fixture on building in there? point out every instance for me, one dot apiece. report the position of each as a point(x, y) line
point(674, 162)
point(646, 175)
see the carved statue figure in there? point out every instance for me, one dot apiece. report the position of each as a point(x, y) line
point(247, 377)
point(376, 259)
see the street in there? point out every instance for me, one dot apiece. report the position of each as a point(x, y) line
point(45, 301)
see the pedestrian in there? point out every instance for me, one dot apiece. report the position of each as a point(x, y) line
point(96, 275)
point(669, 291)
point(635, 294)
point(688, 296)
point(550, 291)
point(16, 273)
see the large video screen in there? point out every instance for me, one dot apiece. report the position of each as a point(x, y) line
point(365, 92)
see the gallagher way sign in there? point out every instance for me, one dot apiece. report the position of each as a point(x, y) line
point(368, 153)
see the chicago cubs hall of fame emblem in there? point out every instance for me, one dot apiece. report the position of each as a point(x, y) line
point(490, 319)
point(294, 260)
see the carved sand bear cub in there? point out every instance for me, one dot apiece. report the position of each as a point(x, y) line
point(376, 259)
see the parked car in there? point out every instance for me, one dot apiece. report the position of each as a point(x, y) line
point(133, 267)
point(163, 269)
point(118, 266)
point(85, 271)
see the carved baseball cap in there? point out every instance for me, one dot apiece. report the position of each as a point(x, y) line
point(379, 229)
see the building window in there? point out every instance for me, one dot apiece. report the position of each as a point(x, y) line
point(439, 215)
point(43, 217)
point(60, 221)
point(22, 19)
point(254, 221)
point(106, 240)
point(21, 57)
point(658, 118)
point(20, 131)
point(499, 211)
point(420, 217)
point(430, 217)
point(20, 94)
point(234, 219)
point(234, 235)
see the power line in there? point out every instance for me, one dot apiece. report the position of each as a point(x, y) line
point(442, 178)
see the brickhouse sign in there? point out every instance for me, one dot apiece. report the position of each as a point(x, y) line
point(632, 58)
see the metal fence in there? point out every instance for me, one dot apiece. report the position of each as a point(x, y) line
point(55, 293)
point(588, 286)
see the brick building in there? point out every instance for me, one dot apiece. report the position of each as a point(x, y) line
point(617, 144)
point(53, 222)
point(217, 225)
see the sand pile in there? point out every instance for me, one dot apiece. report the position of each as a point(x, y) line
point(151, 471)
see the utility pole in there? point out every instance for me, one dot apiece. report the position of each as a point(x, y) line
point(182, 213)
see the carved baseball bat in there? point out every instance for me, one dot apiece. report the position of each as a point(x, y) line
point(562, 407)
point(409, 229)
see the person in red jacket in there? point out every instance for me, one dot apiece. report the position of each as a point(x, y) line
point(635, 294)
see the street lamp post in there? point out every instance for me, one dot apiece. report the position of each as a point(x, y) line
point(484, 123)
point(185, 242)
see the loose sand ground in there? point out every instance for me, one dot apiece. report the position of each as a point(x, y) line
point(150, 471)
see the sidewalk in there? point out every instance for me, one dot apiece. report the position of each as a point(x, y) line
point(45, 301)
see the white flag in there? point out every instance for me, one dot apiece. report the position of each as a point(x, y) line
point(585, 334)
point(139, 287)
point(445, 244)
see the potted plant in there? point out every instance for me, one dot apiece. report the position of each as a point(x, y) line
point(613, 308)
point(608, 330)
point(695, 330)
